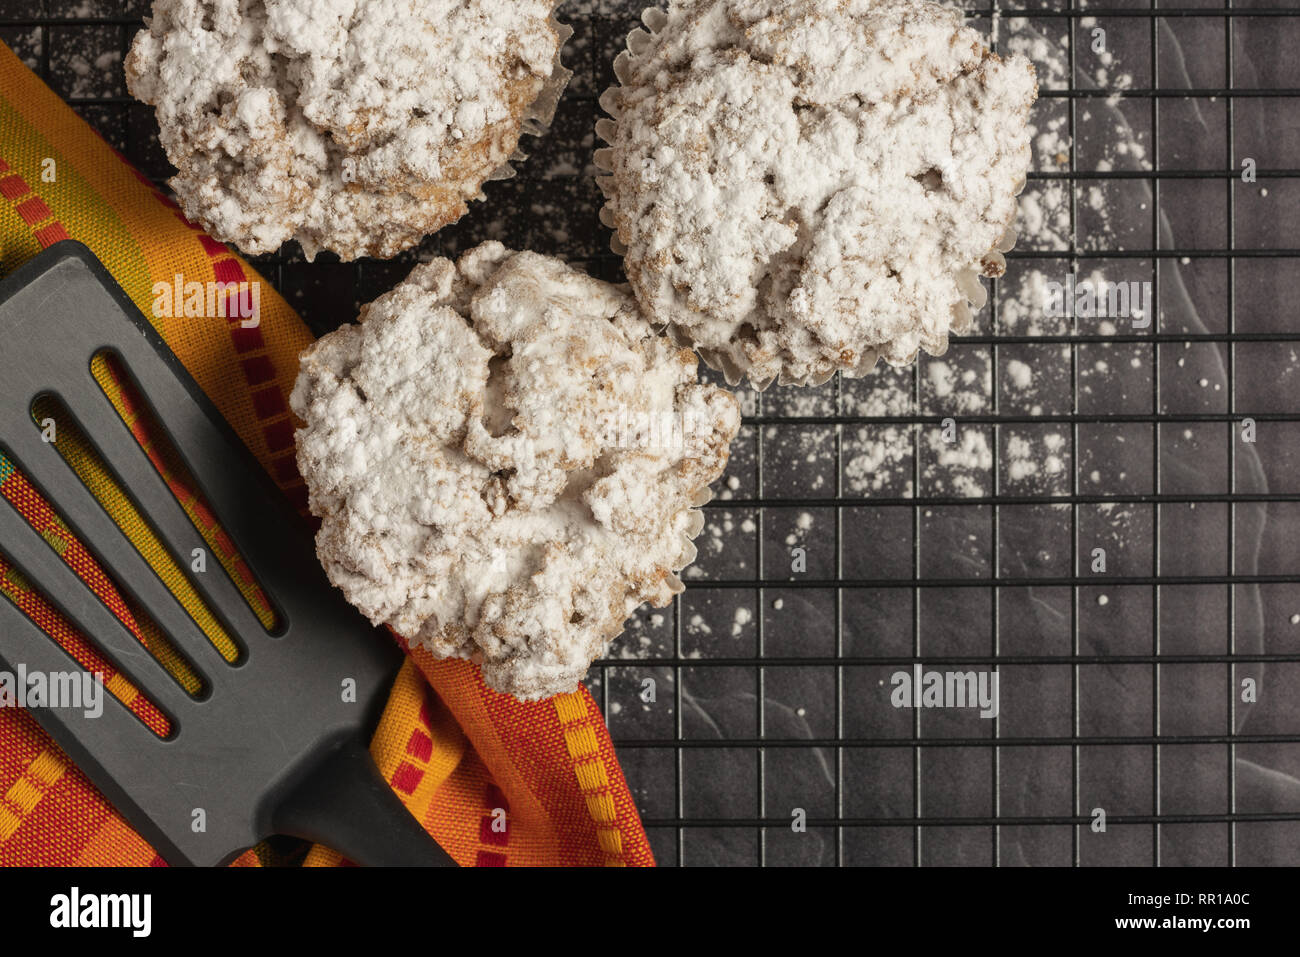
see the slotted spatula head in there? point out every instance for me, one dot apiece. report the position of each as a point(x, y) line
point(276, 730)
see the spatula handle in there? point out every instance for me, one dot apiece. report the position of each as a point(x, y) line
point(345, 803)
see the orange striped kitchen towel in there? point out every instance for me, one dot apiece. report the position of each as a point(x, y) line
point(495, 781)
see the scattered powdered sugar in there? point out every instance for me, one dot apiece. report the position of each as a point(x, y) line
point(90, 74)
point(1019, 374)
point(887, 392)
point(799, 531)
point(743, 617)
point(698, 626)
point(1037, 462)
point(878, 459)
point(963, 468)
point(721, 531)
point(959, 390)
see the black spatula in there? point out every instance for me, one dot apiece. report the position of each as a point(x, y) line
point(277, 742)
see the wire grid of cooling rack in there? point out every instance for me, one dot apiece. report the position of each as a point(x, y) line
point(775, 717)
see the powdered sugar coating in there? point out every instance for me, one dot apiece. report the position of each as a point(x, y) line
point(803, 187)
point(352, 125)
point(488, 454)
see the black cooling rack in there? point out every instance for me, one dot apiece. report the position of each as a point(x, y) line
point(1120, 691)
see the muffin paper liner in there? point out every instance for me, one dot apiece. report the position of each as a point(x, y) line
point(538, 117)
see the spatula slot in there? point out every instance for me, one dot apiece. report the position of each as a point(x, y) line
point(80, 456)
point(55, 483)
point(31, 646)
point(42, 537)
point(150, 434)
point(67, 651)
point(123, 466)
point(46, 522)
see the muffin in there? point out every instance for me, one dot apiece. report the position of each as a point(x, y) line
point(356, 126)
point(802, 187)
point(507, 460)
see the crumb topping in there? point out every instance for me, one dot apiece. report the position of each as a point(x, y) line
point(506, 460)
point(803, 187)
point(352, 125)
